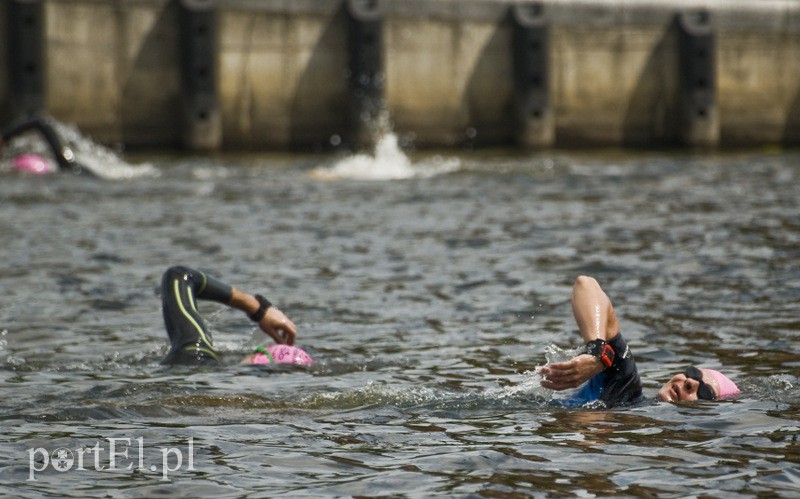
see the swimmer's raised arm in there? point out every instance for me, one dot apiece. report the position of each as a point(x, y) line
point(597, 324)
point(593, 311)
point(607, 366)
point(269, 318)
point(190, 337)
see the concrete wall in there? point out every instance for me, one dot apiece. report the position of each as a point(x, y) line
point(282, 76)
point(113, 68)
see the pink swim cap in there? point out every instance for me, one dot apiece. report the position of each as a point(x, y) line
point(283, 354)
point(32, 163)
point(725, 387)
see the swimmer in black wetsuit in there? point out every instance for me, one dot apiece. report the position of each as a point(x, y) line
point(190, 339)
point(62, 153)
point(608, 363)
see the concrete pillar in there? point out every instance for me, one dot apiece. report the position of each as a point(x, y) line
point(198, 48)
point(26, 57)
point(366, 75)
point(699, 122)
point(532, 106)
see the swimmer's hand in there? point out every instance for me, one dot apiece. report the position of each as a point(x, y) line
point(278, 326)
point(572, 373)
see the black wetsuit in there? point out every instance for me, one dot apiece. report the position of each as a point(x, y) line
point(190, 338)
point(618, 385)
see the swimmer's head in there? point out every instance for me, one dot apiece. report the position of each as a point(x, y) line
point(33, 164)
point(698, 383)
point(281, 354)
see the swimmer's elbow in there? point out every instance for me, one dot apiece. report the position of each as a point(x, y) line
point(584, 281)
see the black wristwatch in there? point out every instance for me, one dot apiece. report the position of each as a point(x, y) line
point(601, 350)
point(263, 306)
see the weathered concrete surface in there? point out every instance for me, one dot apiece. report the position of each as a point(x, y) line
point(283, 77)
point(113, 69)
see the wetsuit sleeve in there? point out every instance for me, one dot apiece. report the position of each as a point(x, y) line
point(189, 336)
point(622, 385)
point(213, 289)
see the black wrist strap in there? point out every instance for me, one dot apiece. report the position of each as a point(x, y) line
point(601, 350)
point(263, 306)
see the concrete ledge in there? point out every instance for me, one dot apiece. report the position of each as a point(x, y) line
point(282, 79)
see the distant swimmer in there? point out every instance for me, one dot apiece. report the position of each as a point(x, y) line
point(34, 163)
point(607, 365)
point(190, 339)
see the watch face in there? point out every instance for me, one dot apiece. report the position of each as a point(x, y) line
point(601, 350)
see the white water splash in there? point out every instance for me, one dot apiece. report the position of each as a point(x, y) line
point(531, 382)
point(554, 353)
point(91, 156)
point(388, 162)
point(100, 160)
point(115, 168)
point(530, 385)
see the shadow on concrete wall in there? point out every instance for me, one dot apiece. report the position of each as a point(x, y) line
point(321, 104)
point(150, 102)
point(488, 105)
point(652, 113)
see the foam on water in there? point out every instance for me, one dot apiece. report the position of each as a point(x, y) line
point(388, 162)
point(100, 160)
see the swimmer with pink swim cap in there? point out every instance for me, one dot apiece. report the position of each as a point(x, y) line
point(62, 156)
point(606, 371)
point(279, 354)
point(698, 383)
point(190, 338)
point(32, 164)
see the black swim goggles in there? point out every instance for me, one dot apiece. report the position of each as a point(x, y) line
point(703, 390)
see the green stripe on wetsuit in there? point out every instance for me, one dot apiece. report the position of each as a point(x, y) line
point(189, 336)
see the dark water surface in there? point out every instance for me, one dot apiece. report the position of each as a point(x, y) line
point(428, 302)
